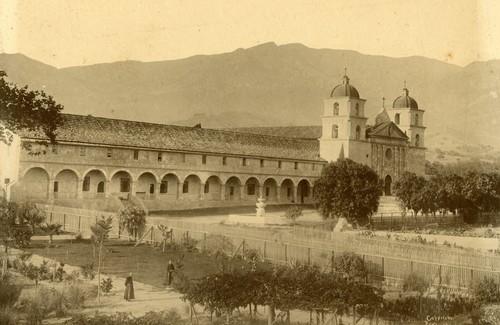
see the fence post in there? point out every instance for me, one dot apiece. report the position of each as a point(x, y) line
point(79, 223)
point(286, 255)
point(50, 219)
point(333, 261)
point(64, 221)
point(383, 267)
point(309, 255)
point(265, 244)
point(204, 241)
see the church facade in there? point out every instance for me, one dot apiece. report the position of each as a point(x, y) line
point(393, 144)
point(97, 160)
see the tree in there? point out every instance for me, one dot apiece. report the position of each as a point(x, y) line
point(51, 229)
point(293, 212)
point(100, 232)
point(30, 214)
point(348, 190)
point(132, 218)
point(350, 266)
point(23, 109)
point(408, 191)
point(8, 222)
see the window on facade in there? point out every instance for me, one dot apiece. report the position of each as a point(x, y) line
point(262, 163)
point(136, 154)
point(164, 187)
point(224, 161)
point(296, 165)
point(204, 159)
point(206, 188)
point(358, 132)
point(396, 119)
point(86, 184)
point(356, 110)
point(100, 187)
point(110, 152)
point(83, 151)
point(335, 131)
point(288, 191)
point(56, 186)
point(244, 162)
point(54, 149)
point(279, 164)
point(336, 109)
point(417, 140)
point(268, 191)
point(416, 119)
point(251, 189)
point(124, 184)
point(231, 190)
point(388, 154)
point(160, 156)
point(185, 187)
point(151, 188)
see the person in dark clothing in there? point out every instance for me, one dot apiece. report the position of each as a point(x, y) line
point(170, 272)
point(129, 288)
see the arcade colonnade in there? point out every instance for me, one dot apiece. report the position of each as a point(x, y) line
point(40, 182)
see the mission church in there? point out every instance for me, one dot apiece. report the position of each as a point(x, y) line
point(98, 160)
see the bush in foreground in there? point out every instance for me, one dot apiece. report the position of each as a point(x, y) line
point(170, 317)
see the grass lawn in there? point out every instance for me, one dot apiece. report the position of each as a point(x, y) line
point(121, 257)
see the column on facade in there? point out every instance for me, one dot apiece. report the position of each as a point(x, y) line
point(242, 192)
point(178, 193)
point(79, 189)
point(397, 160)
point(278, 193)
point(381, 161)
point(107, 190)
point(50, 189)
point(222, 192)
point(261, 190)
point(202, 191)
point(157, 188)
point(295, 194)
point(403, 157)
point(133, 185)
point(394, 160)
point(372, 147)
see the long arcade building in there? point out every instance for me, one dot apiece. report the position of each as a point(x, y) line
point(175, 167)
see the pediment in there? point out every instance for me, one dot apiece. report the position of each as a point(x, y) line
point(387, 130)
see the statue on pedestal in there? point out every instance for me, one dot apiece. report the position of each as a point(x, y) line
point(261, 204)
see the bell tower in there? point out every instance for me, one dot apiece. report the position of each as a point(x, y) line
point(343, 124)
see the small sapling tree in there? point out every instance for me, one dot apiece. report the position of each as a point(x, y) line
point(100, 231)
point(133, 218)
point(51, 229)
point(293, 213)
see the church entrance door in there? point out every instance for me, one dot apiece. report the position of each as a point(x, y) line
point(387, 185)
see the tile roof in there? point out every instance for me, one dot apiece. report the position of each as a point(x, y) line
point(113, 132)
point(298, 132)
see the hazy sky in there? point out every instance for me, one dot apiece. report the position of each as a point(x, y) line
point(66, 33)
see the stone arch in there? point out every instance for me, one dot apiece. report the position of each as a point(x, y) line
point(270, 190)
point(169, 185)
point(303, 191)
point(66, 184)
point(286, 188)
point(112, 174)
point(121, 182)
point(146, 184)
point(76, 172)
point(212, 188)
point(34, 184)
point(32, 166)
point(252, 189)
point(94, 181)
point(387, 185)
point(104, 172)
point(191, 187)
point(232, 189)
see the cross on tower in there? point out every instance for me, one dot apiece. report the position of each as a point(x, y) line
point(405, 84)
point(383, 102)
point(345, 71)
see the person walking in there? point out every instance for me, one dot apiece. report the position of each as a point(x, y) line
point(170, 272)
point(129, 288)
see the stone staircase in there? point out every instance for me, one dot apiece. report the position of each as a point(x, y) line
point(388, 205)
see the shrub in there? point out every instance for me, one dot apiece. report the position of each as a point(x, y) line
point(88, 271)
point(293, 213)
point(21, 237)
point(106, 285)
point(484, 290)
point(414, 282)
point(350, 266)
point(76, 296)
point(9, 294)
point(170, 317)
point(37, 307)
point(7, 316)
point(78, 237)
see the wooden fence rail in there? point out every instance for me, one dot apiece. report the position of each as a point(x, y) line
point(389, 259)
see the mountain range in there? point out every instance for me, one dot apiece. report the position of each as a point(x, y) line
point(271, 85)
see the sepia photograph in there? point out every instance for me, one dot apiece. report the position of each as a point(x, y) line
point(250, 162)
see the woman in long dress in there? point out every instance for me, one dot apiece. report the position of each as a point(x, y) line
point(129, 288)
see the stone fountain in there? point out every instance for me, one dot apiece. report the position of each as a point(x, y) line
point(259, 219)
